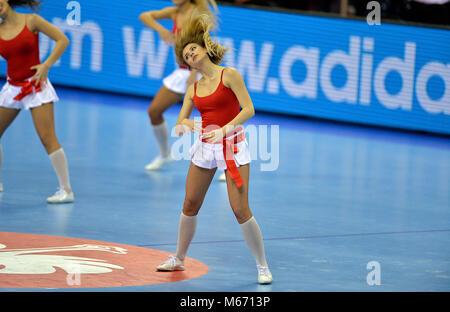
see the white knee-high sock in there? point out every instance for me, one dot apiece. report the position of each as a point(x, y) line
point(186, 232)
point(59, 162)
point(161, 132)
point(253, 237)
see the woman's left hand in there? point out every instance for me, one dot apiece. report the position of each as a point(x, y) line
point(41, 73)
point(214, 136)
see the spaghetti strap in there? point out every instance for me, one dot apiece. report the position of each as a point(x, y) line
point(175, 24)
point(195, 88)
point(221, 75)
point(26, 21)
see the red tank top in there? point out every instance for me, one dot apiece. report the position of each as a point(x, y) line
point(218, 108)
point(20, 54)
point(176, 31)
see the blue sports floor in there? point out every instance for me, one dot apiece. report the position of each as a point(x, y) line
point(342, 196)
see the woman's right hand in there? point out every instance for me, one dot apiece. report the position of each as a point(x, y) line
point(188, 125)
point(167, 36)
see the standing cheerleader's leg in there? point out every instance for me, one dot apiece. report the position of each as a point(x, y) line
point(45, 126)
point(253, 237)
point(161, 132)
point(161, 102)
point(197, 184)
point(7, 116)
point(252, 234)
point(186, 232)
point(59, 162)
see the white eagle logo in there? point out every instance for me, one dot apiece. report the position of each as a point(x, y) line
point(33, 261)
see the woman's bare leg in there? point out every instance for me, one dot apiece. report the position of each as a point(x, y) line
point(43, 118)
point(250, 229)
point(197, 184)
point(7, 116)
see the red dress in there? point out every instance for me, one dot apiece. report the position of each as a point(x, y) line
point(176, 31)
point(217, 110)
point(21, 53)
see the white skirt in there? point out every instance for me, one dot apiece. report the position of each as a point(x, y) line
point(209, 156)
point(35, 99)
point(177, 80)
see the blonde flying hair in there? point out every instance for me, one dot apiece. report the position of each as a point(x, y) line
point(196, 30)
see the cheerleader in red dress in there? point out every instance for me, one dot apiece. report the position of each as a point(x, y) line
point(27, 85)
point(218, 96)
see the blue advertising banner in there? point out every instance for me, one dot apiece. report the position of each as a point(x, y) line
point(340, 69)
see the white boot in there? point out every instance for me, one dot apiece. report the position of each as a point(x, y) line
point(264, 275)
point(173, 264)
point(60, 197)
point(222, 177)
point(159, 162)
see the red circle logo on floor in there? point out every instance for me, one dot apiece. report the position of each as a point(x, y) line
point(43, 261)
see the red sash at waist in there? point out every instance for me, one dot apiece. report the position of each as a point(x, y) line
point(28, 87)
point(229, 149)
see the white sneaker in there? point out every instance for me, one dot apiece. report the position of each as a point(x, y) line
point(158, 162)
point(222, 177)
point(173, 264)
point(264, 275)
point(60, 197)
